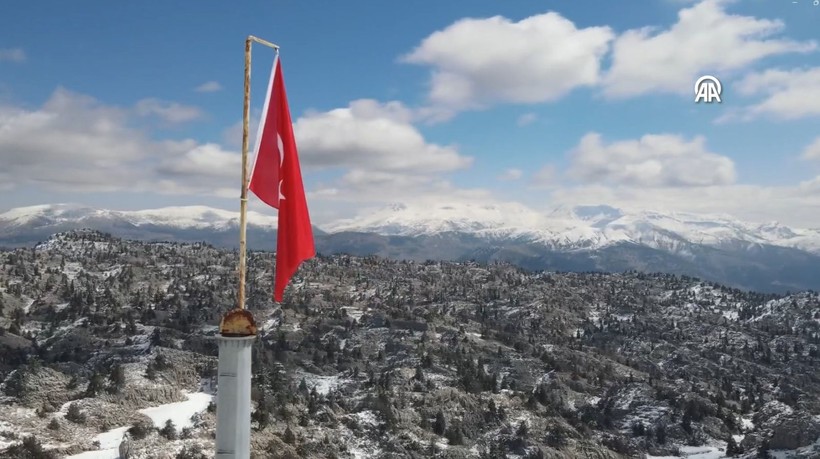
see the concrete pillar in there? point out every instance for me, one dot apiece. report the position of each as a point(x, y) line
point(233, 402)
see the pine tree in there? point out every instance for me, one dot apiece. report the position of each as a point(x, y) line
point(419, 376)
point(169, 431)
point(439, 425)
point(150, 372)
point(660, 434)
point(523, 430)
point(74, 414)
point(95, 385)
point(732, 448)
point(289, 437)
point(117, 378)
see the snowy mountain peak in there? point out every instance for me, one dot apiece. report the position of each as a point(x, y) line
point(433, 218)
point(29, 213)
point(576, 227)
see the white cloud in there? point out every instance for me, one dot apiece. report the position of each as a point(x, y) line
point(372, 136)
point(811, 186)
point(788, 94)
point(171, 112)
point(812, 151)
point(795, 205)
point(537, 59)
point(705, 39)
point(545, 177)
point(381, 155)
point(12, 55)
point(206, 161)
point(373, 109)
point(361, 189)
point(75, 143)
point(511, 174)
point(479, 62)
point(69, 127)
point(527, 119)
point(232, 135)
point(651, 161)
point(209, 86)
point(372, 180)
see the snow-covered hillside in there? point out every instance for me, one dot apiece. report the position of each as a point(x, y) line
point(370, 358)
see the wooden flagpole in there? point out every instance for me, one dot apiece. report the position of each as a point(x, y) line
point(243, 200)
point(238, 328)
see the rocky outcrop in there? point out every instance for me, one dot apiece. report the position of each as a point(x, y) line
point(38, 387)
point(138, 397)
point(795, 431)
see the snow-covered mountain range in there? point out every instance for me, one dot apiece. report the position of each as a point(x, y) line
point(768, 257)
point(565, 228)
point(580, 227)
point(29, 225)
point(179, 217)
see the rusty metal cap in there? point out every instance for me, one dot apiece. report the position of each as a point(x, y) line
point(237, 322)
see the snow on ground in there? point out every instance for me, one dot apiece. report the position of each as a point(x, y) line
point(355, 313)
point(109, 445)
point(362, 453)
point(625, 399)
point(323, 384)
point(270, 324)
point(646, 414)
point(179, 412)
point(135, 372)
point(439, 378)
point(6, 427)
point(595, 317)
point(731, 315)
point(702, 452)
point(738, 438)
point(206, 329)
point(33, 327)
point(695, 452)
point(747, 424)
point(361, 448)
point(72, 269)
point(112, 272)
point(29, 302)
point(367, 418)
point(523, 416)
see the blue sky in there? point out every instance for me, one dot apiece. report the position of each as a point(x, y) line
point(535, 104)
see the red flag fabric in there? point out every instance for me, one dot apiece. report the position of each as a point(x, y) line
point(276, 179)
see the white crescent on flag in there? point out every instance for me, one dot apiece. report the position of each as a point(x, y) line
point(281, 146)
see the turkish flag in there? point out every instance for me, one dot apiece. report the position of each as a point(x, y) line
point(276, 179)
